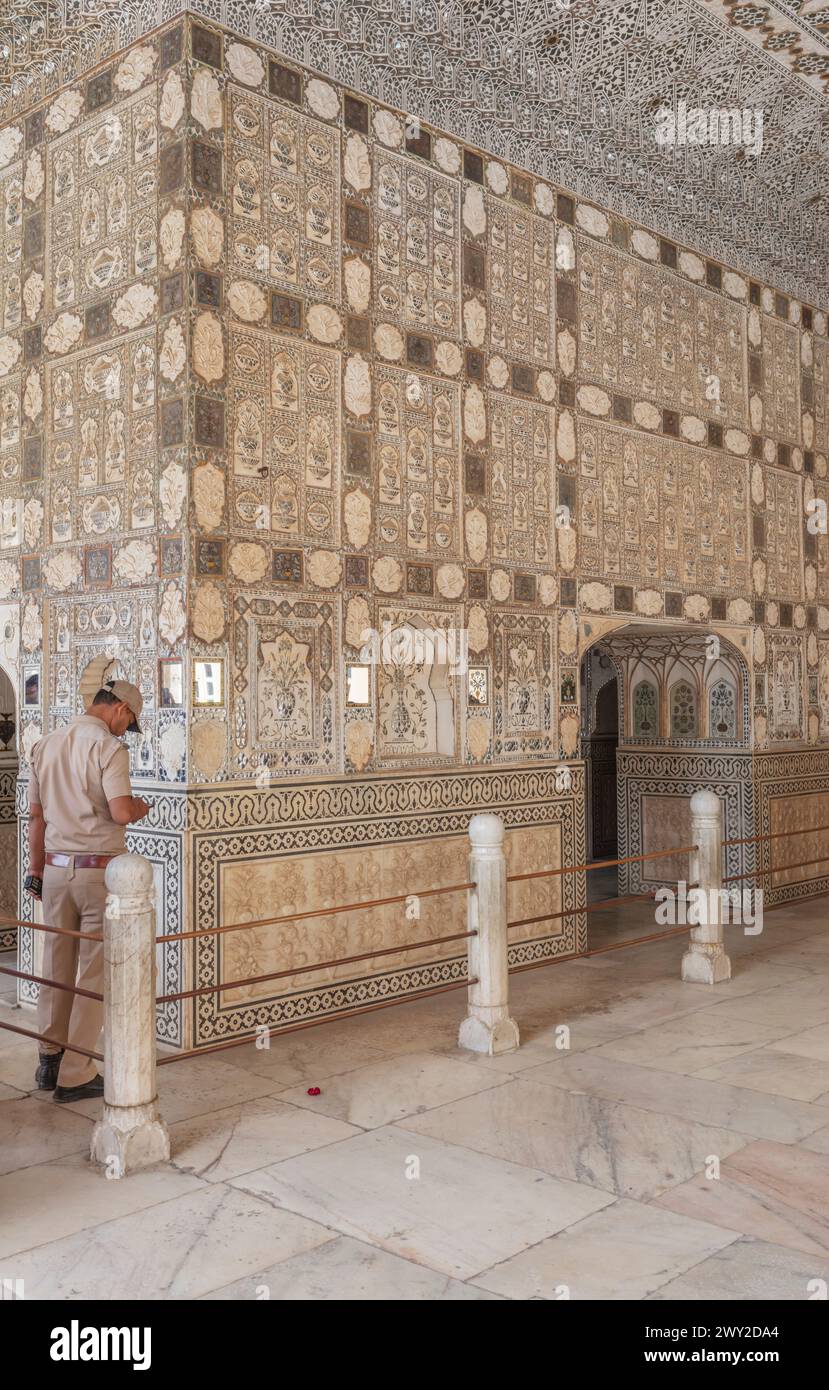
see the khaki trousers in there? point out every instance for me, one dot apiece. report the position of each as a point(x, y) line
point(72, 898)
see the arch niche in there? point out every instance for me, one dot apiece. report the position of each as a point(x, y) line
point(683, 725)
point(9, 768)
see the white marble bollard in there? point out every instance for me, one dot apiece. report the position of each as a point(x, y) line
point(705, 962)
point(488, 1026)
point(131, 1133)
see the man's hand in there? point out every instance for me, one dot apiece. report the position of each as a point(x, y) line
point(126, 809)
point(33, 885)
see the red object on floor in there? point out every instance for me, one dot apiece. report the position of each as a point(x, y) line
point(313, 1090)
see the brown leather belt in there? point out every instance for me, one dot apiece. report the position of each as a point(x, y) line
point(81, 861)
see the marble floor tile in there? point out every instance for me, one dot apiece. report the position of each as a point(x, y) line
point(18, 1018)
point(817, 1142)
point(752, 975)
point(793, 1007)
point(746, 1112)
point(346, 1270)
point(623, 1252)
point(34, 1134)
point(241, 1137)
point(464, 1213)
point(179, 1249)
point(812, 1043)
point(618, 1148)
point(776, 1073)
point(196, 1086)
point(537, 1047)
point(18, 1065)
point(748, 1269)
point(642, 1006)
point(51, 1200)
point(685, 1044)
point(775, 1192)
point(418, 1027)
point(304, 1056)
point(380, 1093)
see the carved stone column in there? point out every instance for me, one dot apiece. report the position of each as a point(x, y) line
point(488, 1026)
point(705, 962)
point(131, 1133)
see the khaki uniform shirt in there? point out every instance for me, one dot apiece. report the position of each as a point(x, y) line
point(76, 771)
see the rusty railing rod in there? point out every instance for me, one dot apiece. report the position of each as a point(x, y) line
point(55, 984)
point(41, 1037)
point(578, 911)
point(603, 864)
point(777, 835)
point(778, 869)
point(306, 969)
point(316, 1022)
point(58, 931)
point(317, 912)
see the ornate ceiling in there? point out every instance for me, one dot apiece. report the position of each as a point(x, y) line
point(568, 88)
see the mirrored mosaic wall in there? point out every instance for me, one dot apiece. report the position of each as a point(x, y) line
point(335, 434)
point(337, 402)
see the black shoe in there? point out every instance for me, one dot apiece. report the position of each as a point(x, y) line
point(91, 1090)
point(46, 1076)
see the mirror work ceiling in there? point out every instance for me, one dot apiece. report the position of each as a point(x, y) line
point(567, 88)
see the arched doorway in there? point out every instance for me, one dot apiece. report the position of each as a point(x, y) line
point(600, 738)
point(681, 700)
point(9, 766)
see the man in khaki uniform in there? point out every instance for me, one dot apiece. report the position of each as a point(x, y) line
point(80, 800)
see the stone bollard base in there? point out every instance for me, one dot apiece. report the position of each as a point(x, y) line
point(706, 965)
point(477, 1035)
point(130, 1137)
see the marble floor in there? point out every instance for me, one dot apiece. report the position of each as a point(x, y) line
point(678, 1148)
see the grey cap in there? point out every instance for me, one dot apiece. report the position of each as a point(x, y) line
point(131, 696)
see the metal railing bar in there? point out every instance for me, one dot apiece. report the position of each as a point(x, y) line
point(778, 869)
point(317, 912)
point(41, 1037)
point(306, 969)
point(54, 984)
point(316, 1022)
point(595, 950)
point(58, 931)
point(577, 911)
point(603, 864)
point(777, 835)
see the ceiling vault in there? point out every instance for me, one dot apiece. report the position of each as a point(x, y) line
point(571, 89)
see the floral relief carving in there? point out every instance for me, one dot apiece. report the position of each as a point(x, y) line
point(245, 64)
point(64, 111)
point(61, 336)
point(134, 69)
point(208, 347)
point(173, 354)
point(247, 300)
point(206, 101)
point(208, 233)
point(359, 743)
point(172, 618)
point(171, 104)
point(249, 561)
point(208, 612)
point(209, 495)
point(134, 306)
